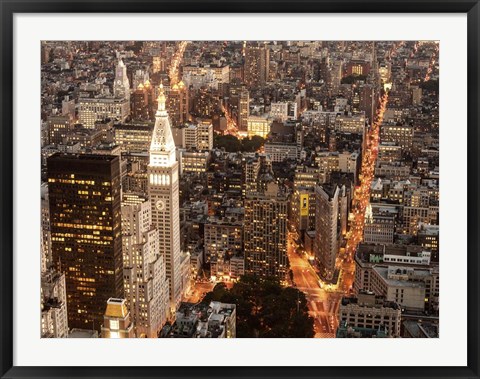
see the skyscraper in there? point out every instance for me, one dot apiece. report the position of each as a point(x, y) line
point(243, 109)
point(257, 62)
point(265, 233)
point(265, 225)
point(164, 197)
point(85, 222)
point(46, 238)
point(177, 104)
point(121, 86)
point(146, 285)
point(331, 201)
point(139, 103)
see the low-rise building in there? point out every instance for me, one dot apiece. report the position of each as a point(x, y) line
point(401, 135)
point(404, 274)
point(196, 263)
point(227, 267)
point(282, 111)
point(402, 285)
point(394, 171)
point(346, 331)
point(197, 136)
point(116, 321)
point(222, 234)
point(306, 176)
point(389, 152)
point(379, 226)
point(278, 152)
point(331, 161)
point(133, 137)
point(258, 126)
point(350, 123)
point(217, 320)
point(86, 137)
point(193, 161)
point(82, 333)
point(366, 310)
point(91, 110)
point(58, 128)
point(419, 329)
point(428, 237)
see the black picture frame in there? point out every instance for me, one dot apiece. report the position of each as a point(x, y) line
point(9, 8)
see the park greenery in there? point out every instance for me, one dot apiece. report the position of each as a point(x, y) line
point(350, 79)
point(430, 85)
point(232, 144)
point(265, 309)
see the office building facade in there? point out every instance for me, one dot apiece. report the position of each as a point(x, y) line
point(85, 222)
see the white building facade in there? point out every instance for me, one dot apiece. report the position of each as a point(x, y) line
point(100, 108)
point(144, 271)
point(121, 86)
point(163, 191)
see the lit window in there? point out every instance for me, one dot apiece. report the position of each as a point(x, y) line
point(114, 325)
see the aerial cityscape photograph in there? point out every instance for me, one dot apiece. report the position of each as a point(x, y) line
point(239, 189)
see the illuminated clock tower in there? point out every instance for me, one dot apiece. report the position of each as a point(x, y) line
point(164, 198)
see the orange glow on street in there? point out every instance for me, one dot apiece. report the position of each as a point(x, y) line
point(173, 72)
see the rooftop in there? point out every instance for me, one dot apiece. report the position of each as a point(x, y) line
point(369, 299)
point(419, 329)
point(346, 331)
point(200, 320)
point(83, 333)
point(374, 253)
point(389, 275)
point(116, 308)
point(83, 157)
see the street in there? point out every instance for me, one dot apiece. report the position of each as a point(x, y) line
point(199, 289)
point(177, 58)
point(323, 303)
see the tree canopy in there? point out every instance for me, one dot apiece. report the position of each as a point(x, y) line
point(251, 144)
point(233, 144)
point(265, 309)
point(350, 79)
point(430, 85)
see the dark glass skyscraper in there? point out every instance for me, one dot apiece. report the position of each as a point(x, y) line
point(84, 195)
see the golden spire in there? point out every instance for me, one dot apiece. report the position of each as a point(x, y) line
point(162, 147)
point(161, 99)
